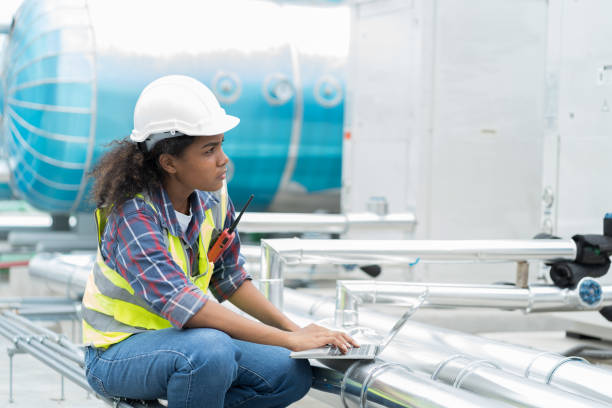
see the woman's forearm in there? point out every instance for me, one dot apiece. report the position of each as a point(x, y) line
point(215, 316)
point(250, 300)
point(276, 329)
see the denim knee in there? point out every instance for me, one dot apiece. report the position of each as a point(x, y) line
point(212, 351)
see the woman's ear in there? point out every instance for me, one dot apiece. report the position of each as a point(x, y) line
point(166, 161)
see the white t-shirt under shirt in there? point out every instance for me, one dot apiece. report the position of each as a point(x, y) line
point(183, 219)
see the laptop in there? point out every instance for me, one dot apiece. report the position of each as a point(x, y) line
point(364, 351)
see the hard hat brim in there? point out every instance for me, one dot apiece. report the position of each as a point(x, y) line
point(221, 125)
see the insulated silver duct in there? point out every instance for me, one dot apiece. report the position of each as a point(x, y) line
point(482, 377)
point(276, 254)
point(460, 371)
point(588, 295)
point(325, 223)
point(383, 384)
point(67, 273)
point(294, 250)
point(564, 373)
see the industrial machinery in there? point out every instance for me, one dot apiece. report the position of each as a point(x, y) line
point(73, 70)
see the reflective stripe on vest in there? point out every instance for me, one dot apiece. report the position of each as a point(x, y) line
point(111, 311)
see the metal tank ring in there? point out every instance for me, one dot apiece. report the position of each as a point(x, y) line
point(347, 374)
point(560, 363)
point(441, 365)
point(531, 363)
point(469, 369)
point(372, 374)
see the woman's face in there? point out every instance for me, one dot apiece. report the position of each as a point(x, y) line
point(202, 165)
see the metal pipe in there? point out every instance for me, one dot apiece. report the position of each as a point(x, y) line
point(51, 312)
point(75, 357)
point(76, 377)
point(482, 377)
point(465, 372)
point(325, 223)
point(71, 271)
point(57, 338)
point(29, 343)
point(271, 275)
point(460, 371)
point(45, 300)
point(561, 372)
point(70, 353)
point(296, 251)
point(588, 295)
point(383, 384)
point(46, 355)
point(278, 253)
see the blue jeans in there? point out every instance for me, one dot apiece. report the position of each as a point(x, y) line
point(197, 368)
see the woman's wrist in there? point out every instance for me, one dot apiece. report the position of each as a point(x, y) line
point(289, 326)
point(283, 339)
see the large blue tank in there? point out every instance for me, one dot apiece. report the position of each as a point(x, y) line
point(73, 70)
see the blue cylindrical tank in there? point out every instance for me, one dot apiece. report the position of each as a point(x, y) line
point(73, 70)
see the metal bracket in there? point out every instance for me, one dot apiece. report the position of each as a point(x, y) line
point(522, 274)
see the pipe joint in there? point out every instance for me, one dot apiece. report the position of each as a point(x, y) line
point(359, 377)
point(543, 366)
point(371, 375)
point(470, 368)
point(347, 313)
point(562, 362)
point(442, 364)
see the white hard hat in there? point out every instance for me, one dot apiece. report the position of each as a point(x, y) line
point(178, 104)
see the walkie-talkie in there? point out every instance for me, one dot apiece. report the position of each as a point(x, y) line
point(227, 236)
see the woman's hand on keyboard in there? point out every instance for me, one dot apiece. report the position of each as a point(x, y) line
point(313, 336)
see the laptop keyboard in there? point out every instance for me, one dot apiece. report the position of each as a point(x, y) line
point(365, 351)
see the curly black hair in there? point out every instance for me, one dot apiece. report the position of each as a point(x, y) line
point(128, 169)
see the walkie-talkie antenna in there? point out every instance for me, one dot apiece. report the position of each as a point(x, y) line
point(233, 226)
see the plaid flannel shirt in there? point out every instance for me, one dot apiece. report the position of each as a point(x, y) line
point(133, 245)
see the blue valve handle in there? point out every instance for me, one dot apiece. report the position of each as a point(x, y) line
point(590, 291)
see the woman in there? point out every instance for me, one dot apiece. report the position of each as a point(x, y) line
point(151, 330)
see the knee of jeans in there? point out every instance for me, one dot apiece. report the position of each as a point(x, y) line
point(214, 351)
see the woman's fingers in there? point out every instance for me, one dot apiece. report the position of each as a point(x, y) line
point(320, 336)
point(350, 340)
point(341, 340)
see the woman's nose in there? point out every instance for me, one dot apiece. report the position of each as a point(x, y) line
point(223, 159)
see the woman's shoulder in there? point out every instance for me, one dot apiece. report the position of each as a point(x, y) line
point(137, 205)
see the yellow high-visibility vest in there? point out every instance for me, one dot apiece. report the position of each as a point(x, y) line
point(112, 312)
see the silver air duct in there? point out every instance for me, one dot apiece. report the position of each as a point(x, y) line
point(384, 384)
point(588, 295)
point(325, 223)
point(276, 254)
point(564, 373)
point(459, 371)
point(67, 274)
